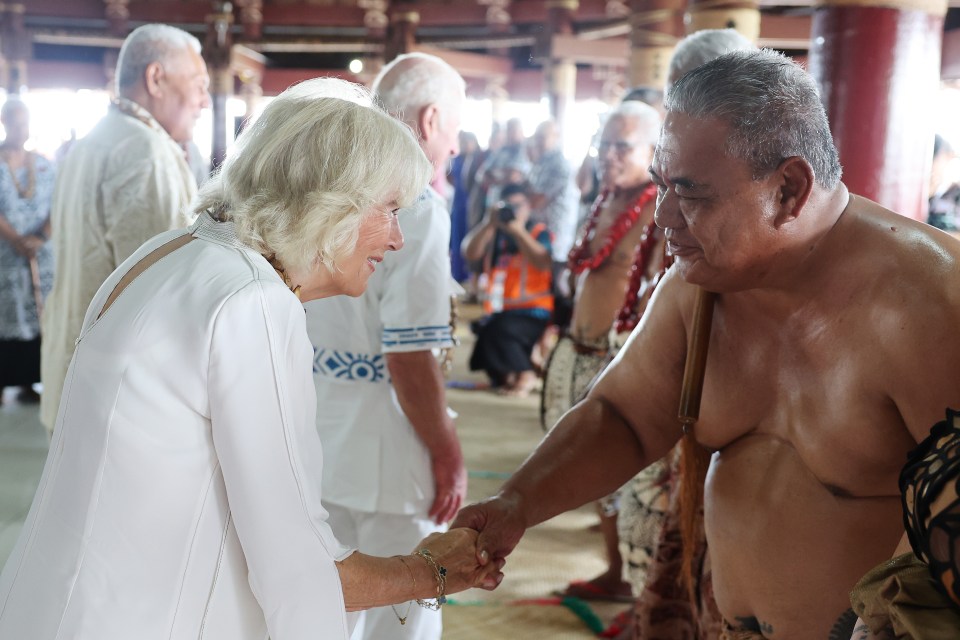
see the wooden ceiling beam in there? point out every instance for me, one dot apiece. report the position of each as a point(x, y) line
point(471, 65)
point(302, 12)
point(59, 9)
point(611, 52)
point(785, 32)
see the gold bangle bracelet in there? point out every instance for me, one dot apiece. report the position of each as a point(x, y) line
point(440, 573)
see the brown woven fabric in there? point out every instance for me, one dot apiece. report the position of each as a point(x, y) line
point(664, 610)
point(900, 594)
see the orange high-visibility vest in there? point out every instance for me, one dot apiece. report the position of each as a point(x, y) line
point(524, 286)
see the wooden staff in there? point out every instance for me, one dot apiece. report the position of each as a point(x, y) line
point(694, 459)
point(696, 364)
point(35, 281)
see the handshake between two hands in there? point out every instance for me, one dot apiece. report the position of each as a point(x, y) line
point(474, 550)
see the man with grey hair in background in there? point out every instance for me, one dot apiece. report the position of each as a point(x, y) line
point(831, 353)
point(122, 184)
point(701, 47)
point(394, 470)
point(600, 268)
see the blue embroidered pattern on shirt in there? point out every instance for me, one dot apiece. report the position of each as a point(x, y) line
point(436, 336)
point(344, 365)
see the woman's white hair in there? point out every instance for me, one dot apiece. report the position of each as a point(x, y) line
point(300, 178)
point(145, 45)
point(414, 80)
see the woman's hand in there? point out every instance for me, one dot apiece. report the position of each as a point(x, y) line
point(456, 551)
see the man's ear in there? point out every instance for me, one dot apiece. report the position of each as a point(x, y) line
point(152, 77)
point(795, 183)
point(428, 122)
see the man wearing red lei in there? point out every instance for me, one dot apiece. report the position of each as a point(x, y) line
point(620, 249)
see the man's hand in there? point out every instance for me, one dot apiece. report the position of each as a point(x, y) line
point(450, 484)
point(418, 381)
point(500, 523)
point(29, 245)
point(514, 227)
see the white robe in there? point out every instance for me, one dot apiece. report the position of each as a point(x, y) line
point(121, 185)
point(181, 495)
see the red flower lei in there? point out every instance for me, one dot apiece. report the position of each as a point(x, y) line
point(628, 317)
point(580, 259)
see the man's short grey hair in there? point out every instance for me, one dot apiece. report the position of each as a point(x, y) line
point(771, 105)
point(145, 45)
point(646, 117)
point(701, 47)
point(414, 80)
point(300, 179)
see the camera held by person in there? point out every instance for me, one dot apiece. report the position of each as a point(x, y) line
point(505, 213)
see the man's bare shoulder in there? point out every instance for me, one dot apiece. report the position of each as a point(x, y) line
point(886, 256)
point(644, 381)
point(657, 346)
point(907, 241)
point(908, 297)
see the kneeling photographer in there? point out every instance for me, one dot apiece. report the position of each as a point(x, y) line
point(517, 297)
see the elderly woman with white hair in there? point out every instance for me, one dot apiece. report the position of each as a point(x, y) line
point(181, 494)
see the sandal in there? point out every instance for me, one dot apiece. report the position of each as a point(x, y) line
point(590, 590)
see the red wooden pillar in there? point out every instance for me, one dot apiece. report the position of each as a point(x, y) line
point(878, 68)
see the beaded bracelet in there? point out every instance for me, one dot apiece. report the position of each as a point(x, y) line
point(440, 572)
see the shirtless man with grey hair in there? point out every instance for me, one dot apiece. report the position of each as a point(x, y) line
point(832, 350)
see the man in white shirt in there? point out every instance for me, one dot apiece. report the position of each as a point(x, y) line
point(122, 184)
point(394, 471)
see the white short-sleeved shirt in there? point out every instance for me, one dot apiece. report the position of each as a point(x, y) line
point(378, 464)
point(180, 498)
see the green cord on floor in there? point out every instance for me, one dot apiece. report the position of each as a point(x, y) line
point(577, 606)
point(583, 611)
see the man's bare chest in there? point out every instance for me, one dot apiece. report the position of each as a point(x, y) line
point(824, 399)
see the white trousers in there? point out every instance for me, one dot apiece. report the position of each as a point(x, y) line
point(387, 534)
